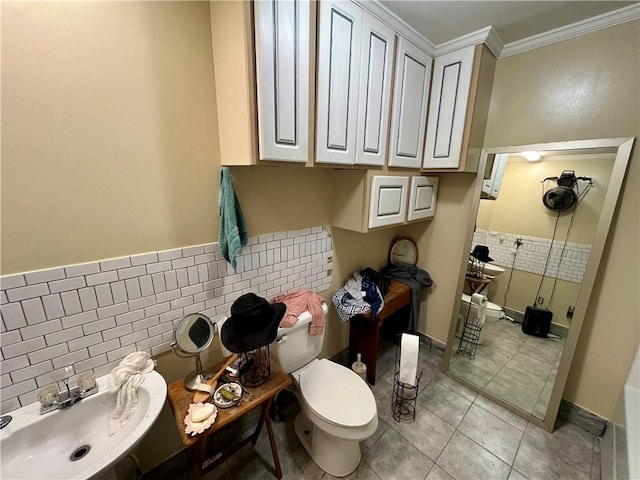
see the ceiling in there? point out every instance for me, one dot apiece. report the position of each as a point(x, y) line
point(441, 21)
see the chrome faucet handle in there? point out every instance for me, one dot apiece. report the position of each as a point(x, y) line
point(48, 396)
point(87, 382)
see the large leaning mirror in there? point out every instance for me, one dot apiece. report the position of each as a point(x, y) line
point(532, 253)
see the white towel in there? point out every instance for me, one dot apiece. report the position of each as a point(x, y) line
point(124, 381)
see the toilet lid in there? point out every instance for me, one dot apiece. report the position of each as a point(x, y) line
point(337, 394)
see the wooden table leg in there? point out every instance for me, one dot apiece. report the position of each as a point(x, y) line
point(263, 416)
point(274, 448)
point(363, 339)
point(264, 419)
point(196, 458)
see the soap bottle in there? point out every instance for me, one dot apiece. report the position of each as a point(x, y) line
point(359, 367)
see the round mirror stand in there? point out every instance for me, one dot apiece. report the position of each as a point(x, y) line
point(191, 336)
point(198, 376)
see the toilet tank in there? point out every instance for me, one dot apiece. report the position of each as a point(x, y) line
point(294, 347)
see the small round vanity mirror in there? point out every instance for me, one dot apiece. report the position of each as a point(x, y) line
point(194, 333)
point(191, 336)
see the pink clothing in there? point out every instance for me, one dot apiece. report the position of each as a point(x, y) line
point(301, 301)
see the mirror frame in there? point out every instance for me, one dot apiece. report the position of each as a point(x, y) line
point(624, 146)
point(212, 333)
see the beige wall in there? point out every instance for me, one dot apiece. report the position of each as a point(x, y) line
point(109, 134)
point(584, 88)
point(441, 249)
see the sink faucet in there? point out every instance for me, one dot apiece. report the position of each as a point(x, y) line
point(51, 398)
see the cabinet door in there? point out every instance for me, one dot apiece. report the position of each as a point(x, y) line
point(339, 42)
point(491, 186)
point(376, 69)
point(448, 109)
point(422, 198)
point(410, 100)
point(282, 68)
point(388, 202)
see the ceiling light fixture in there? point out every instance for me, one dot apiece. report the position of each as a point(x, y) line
point(531, 156)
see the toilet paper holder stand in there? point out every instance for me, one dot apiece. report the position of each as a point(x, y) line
point(473, 323)
point(403, 400)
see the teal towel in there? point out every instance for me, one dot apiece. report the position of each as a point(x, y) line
point(232, 235)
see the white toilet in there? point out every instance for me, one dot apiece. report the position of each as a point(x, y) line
point(492, 313)
point(337, 408)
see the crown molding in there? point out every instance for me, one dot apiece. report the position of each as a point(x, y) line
point(583, 27)
point(382, 13)
point(486, 35)
point(490, 37)
point(494, 43)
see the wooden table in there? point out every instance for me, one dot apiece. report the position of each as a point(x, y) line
point(261, 396)
point(364, 333)
point(476, 284)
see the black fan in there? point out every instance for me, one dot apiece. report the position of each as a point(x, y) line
point(564, 196)
point(559, 198)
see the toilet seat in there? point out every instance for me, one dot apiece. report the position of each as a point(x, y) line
point(336, 394)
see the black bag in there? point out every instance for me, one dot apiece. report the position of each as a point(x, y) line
point(537, 321)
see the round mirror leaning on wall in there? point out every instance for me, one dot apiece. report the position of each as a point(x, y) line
point(191, 336)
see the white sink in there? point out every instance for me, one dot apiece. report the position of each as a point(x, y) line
point(40, 447)
point(487, 269)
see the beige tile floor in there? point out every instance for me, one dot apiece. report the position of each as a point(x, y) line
point(456, 435)
point(519, 368)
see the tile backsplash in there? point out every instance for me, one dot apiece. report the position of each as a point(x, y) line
point(93, 314)
point(532, 254)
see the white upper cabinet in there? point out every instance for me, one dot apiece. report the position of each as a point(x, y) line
point(362, 200)
point(374, 92)
point(422, 198)
point(388, 204)
point(491, 186)
point(339, 57)
point(410, 100)
point(282, 71)
point(448, 110)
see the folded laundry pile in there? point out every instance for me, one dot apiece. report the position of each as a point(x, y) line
point(359, 295)
point(366, 289)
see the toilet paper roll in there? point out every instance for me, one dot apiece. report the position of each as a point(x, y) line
point(409, 345)
point(480, 302)
point(479, 299)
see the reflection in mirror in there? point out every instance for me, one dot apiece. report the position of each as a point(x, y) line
point(191, 336)
point(533, 254)
point(194, 333)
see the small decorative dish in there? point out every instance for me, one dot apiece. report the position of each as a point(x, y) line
point(227, 395)
point(199, 417)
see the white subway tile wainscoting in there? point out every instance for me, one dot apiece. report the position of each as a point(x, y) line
point(532, 254)
point(92, 315)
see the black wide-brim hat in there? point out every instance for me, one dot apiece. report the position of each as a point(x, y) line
point(481, 252)
point(253, 323)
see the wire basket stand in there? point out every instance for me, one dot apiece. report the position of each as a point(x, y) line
point(470, 333)
point(255, 367)
point(403, 400)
